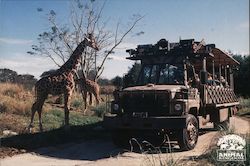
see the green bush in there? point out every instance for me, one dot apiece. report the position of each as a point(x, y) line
point(244, 106)
point(245, 102)
point(77, 103)
point(100, 110)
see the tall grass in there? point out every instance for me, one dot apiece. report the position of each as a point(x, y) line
point(154, 156)
point(15, 99)
point(244, 106)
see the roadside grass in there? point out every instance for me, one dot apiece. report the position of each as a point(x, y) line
point(155, 156)
point(244, 106)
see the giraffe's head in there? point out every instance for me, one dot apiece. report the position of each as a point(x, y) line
point(90, 41)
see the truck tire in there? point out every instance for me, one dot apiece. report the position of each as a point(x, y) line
point(222, 126)
point(188, 136)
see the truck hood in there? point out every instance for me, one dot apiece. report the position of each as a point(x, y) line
point(149, 87)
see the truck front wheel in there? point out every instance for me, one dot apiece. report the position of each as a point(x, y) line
point(188, 136)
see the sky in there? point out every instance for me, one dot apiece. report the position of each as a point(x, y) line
point(223, 22)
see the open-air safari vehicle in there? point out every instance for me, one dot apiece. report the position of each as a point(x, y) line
point(181, 87)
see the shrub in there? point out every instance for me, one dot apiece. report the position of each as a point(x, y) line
point(245, 102)
point(100, 110)
point(244, 106)
point(11, 90)
point(15, 99)
point(77, 103)
point(12, 105)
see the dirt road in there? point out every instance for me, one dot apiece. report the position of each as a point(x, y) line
point(103, 152)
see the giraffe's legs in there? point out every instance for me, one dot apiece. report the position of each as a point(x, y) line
point(85, 101)
point(40, 114)
point(97, 98)
point(37, 106)
point(67, 97)
point(33, 111)
point(90, 99)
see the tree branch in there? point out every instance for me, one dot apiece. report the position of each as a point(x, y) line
point(116, 44)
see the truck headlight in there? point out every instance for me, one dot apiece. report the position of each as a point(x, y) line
point(178, 107)
point(115, 107)
point(178, 95)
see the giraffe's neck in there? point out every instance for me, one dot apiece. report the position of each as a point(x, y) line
point(72, 63)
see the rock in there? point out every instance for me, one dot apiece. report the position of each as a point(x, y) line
point(9, 133)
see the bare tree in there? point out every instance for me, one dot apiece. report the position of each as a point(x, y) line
point(85, 17)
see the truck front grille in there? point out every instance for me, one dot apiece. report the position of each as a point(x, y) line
point(154, 103)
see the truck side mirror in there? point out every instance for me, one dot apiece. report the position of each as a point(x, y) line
point(203, 76)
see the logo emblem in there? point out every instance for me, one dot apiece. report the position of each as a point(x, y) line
point(231, 148)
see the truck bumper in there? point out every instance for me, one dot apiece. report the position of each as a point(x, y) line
point(169, 122)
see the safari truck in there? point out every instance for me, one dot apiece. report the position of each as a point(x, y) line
point(181, 87)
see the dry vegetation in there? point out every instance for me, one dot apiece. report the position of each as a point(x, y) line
point(14, 99)
point(15, 110)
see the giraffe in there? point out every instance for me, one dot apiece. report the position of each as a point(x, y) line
point(60, 82)
point(91, 87)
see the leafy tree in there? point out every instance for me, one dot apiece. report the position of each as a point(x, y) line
point(130, 78)
point(117, 82)
point(242, 76)
point(103, 81)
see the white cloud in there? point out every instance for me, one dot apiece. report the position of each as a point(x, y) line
point(26, 64)
point(14, 41)
point(117, 58)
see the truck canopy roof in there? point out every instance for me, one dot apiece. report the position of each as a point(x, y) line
point(163, 52)
point(223, 58)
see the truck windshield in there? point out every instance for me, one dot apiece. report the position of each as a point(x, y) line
point(161, 74)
